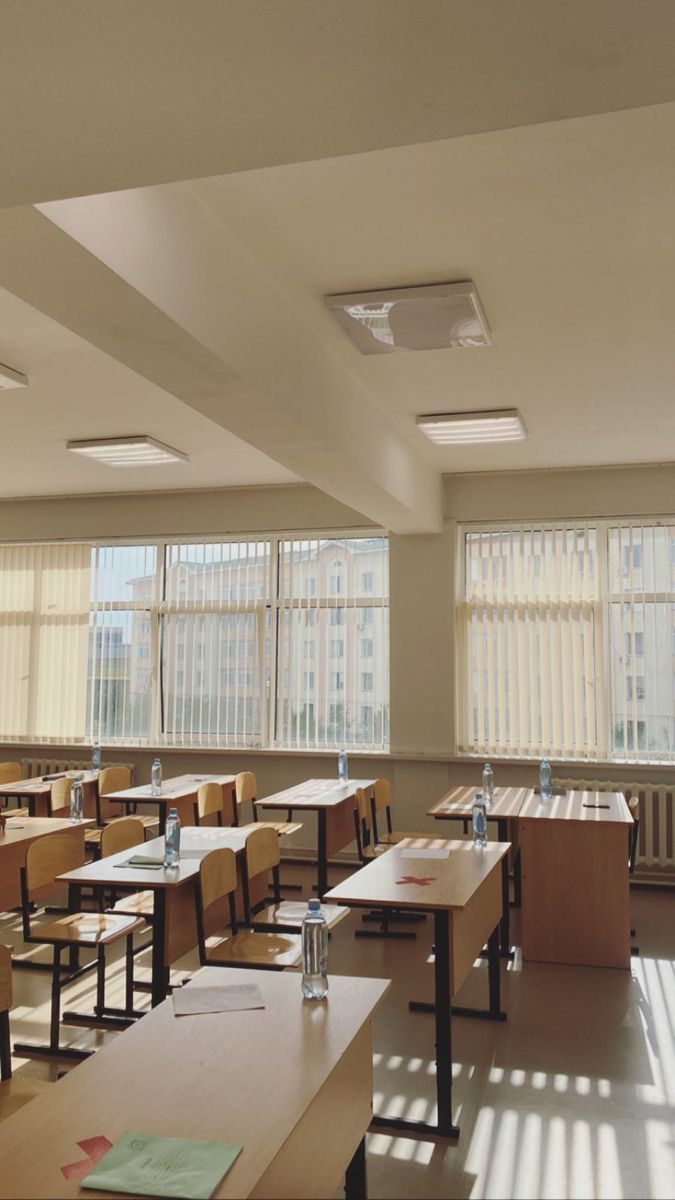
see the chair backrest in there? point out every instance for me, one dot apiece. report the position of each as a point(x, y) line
point(634, 809)
point(113, 779)
point(50, 856)
point(10, 771)
point(262, 851)
point(209, 800)
point(381, 794)
point(121, 835)
point(362, 823)
point(217, 876)
point(246, 787)
point(59, 796)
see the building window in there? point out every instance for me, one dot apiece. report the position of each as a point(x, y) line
point(367, 581)
point(337, 648)
point(337, 681)
point(366, 681)
point(366, 647)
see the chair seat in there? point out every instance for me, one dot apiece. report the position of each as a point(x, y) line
point(148, 822)
point(292, 912)
point(87, 929)
point(10, 813)
point(139, 904)
point(14, 1093)
point(252, 949)
point(282, 827)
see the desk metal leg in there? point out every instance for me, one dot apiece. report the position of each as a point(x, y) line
point(517, 881)
point(494, 1011)
point(322, 877)
point(505, 923)
point(160, 972)
point(356, 1179)
point(441, 1009)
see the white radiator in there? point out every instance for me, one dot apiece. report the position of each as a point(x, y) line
point(656, 840)
point(32, 767)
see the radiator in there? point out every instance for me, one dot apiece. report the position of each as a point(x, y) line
point(32, 767)
point(656, 841)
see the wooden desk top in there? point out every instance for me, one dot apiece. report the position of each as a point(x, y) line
point(453, 880)
point(608, 808)
point(26, 829)
point(244, 1077)
point(314, 794)
point(458, 802)
point(195, 842)
point(38, 786)
point(181, 787)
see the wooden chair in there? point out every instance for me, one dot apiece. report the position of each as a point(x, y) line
point(262, 857)
point(46, 859)
point(246, 948)
point(14, 1093)
point(368, 848)
point(209, 802)
point(113, 779)
point(246, 789)
point(9, 773)
point(380, 803)
point(120, 835)
point(59, 797)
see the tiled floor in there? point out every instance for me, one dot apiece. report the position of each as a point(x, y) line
point(573, 1097)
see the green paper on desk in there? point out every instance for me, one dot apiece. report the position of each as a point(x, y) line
point(142, 1165)
point(143, 860)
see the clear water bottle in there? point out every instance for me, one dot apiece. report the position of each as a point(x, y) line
point(314, 953)
point(488, 784)
point(479, 821)
point(76, 799)
point(156, 778)
point(343, 766)
point(96, 757)
point(545, 779)
point(172, 839)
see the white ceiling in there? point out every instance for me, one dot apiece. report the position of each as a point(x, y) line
point(434, 150)
point(568, 230)
point(76, 391)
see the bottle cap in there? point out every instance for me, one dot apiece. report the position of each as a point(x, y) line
point(314, 906)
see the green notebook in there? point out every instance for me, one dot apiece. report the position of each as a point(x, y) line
point(142, 1165)
point(142, 860)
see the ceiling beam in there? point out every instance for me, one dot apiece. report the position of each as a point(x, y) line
point(154, 279)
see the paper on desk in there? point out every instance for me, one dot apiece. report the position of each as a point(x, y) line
point(188, 1001)
point(444, 853)
point(141, 1165)
point(14, 825)
point(143, 860)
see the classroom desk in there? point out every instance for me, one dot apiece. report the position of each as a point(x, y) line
point(291, 1083)
point(36, 792)
point(18, 835)
point(333, 803)
point(457, 804)
point(174, 922)
point(575, 903)
point(464, 893)
point(179, 793)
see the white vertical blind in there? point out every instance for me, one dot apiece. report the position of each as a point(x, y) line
point(44, 613)
point(527, 623)
point(333, 642)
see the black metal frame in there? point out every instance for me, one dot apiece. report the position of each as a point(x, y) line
point(356, 1176)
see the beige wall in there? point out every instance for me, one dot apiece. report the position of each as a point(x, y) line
point(422, 764)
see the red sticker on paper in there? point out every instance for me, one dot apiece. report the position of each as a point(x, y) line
point(94, 1148)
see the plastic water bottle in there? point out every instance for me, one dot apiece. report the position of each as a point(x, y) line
point(76, 800)
point(156, 778)
point(314, 953)
point(545, 779)
point(343, 767)
point(479, 821)
point(488, 783)
point(172, 839)
point(96, 757)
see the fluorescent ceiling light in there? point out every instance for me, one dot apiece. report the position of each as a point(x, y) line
point(9, 378)
point(473, 428)
point(438, 316)
point(128, 452)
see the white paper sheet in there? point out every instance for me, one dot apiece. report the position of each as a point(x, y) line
point(190, 1001)
point(445, 853)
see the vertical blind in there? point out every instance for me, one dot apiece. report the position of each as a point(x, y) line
point(44, 614)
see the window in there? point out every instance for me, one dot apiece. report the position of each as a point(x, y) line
point(367, 616)
point(367, 581)
point(366, 681)
point(337, 585)
point(366, 648)
point(561, 634)
point(337, 686)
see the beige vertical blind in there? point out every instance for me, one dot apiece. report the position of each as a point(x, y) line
point(528, 626)
point(44, 616)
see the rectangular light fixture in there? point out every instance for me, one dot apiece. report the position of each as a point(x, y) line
point(438, 316)
point(473, 428)
point(128, 451)
point(9, 378)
